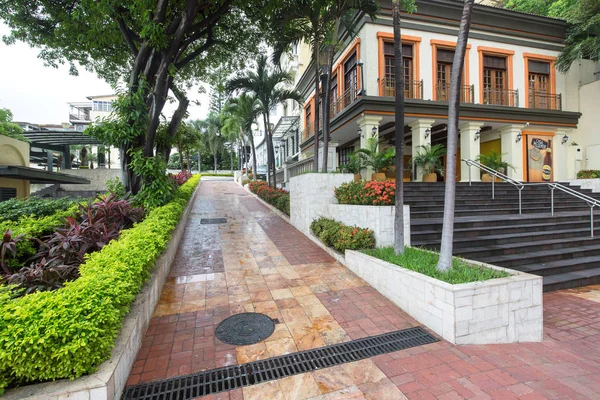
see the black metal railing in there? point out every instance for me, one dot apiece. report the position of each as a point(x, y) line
point(501, 97)
point(308, 131)
point(412, 89)
point(348, 97)
point(467, 92)
point(545, 101)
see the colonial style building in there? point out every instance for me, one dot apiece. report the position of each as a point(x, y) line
point(513, 100)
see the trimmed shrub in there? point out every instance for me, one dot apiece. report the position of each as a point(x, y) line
point(69, 332)
point(278, 198)
point(342, 237)
point(14, 209)
point(367, 193)
point(588, 174)
point(217, 174)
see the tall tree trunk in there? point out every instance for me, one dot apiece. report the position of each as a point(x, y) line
point(180, 150)
point(269, 144)
point(215, 162)
point(199, 163)
point(399, 130)
point(445, 261)
point(253, 157)
point(189, 162)
point(271, 150)
point(231, 159)
point(316, 111)
point(327, 99)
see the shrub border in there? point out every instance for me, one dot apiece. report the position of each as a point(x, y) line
point(109, 381)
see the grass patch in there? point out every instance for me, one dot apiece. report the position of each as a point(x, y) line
point(425, 262)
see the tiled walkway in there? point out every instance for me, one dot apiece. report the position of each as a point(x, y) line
point(258, 262)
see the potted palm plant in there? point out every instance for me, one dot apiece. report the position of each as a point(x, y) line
point(493, 160)
point(354, 165)
point(378, 160)
point(429, 159)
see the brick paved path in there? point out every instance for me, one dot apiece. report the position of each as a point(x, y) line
point(258, 262)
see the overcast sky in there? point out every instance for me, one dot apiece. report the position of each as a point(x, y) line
point(39, 94)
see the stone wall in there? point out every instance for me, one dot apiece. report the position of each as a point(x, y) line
point(593, 184)
point(312, 197)
point(379, 219)
point(505, 310)
point(97, 178)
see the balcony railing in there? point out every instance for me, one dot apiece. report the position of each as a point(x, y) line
point(501, 97)
point(301, 167)
point(309, 131)
point(412, 89)
point(347, 98)
point(467, 92)
point(545, 101)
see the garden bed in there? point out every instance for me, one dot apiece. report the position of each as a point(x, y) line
point(502, 310)
point(69, 332)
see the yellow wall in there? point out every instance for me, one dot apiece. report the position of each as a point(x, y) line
point(486, 147)
point(14, 152)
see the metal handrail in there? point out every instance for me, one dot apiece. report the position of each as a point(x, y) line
point(591, 202)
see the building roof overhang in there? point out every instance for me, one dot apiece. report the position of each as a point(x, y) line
point(34, 175)
point(285, 124)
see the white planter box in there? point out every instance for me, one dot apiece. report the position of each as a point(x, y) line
point(379, 219)
point(504, 310)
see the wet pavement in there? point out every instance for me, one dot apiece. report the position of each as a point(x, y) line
point(257, 262)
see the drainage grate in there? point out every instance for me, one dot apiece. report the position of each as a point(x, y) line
point(237, 376)
point(207, 221)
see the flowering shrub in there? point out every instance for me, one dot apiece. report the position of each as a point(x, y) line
point(342, 237)
point(181, 177)
point(588, 174)
point(277, 197)
point(367, 193)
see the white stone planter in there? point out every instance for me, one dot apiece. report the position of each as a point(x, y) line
point(108, 382)
point(379, 219)
point(504, 310)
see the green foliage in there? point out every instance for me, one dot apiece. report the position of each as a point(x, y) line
point(372, 157)
point(588, 174)
point(35, 227)
point(13, 209)
point(157, 189)
point(430, 159)
point(367, 193)
point(425, 262)
point(69, 332)
point(115, 187)
point(277, 197)
point(342, 237)
point(354, 165)
point(8, 128)
point(217, 174)
point(493, 160)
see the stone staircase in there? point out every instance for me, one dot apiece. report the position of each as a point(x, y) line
point(557, 247)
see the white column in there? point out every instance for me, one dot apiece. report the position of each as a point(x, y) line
point(563, 164)
point(469, 149)
point(366, 124)
point(512, 150)
point(419, 128)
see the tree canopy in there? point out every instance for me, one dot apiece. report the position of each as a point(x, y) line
point(9, 128)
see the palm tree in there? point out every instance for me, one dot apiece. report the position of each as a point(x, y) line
point(267, 86)
point(445, 261)
point(211, 128)
point(583, 40)
point(244, 109)
point(303, 21)
point(341, 14)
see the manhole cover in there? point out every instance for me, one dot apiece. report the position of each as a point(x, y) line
point(245, 328)
point(207, 221)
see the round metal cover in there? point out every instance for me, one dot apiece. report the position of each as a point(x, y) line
point(245, 328)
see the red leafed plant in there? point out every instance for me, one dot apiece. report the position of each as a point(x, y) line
point(367, 193)
point(181, 177)
point(61, 253)
point(8, 248)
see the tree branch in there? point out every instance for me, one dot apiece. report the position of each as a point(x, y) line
point(210, 40)
point(127, 35)
point(211, 19)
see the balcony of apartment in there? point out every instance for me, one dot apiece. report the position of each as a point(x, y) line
point(545, 101)
point(412, 89)
point(442, 92)
point(500, 97)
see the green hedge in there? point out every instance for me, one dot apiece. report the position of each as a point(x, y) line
point(216, 174)
point(342, 237)
point(588, 174)
point(69, 332)
point(14, 209)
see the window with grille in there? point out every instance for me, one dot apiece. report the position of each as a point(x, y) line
point(7, 193)
point(495, 83)
point(350, 74)
point(390, 76)
point(538, 81)
point(343, 154)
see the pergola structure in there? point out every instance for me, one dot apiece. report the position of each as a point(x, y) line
point(59, 141)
